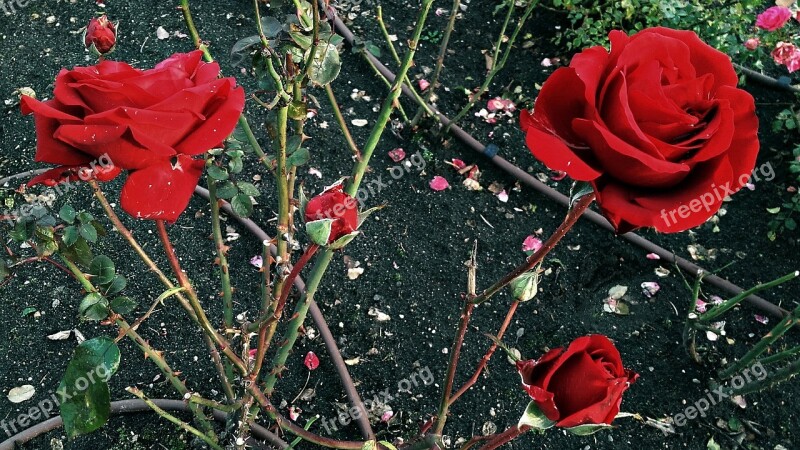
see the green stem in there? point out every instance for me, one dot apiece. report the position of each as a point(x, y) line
point(388, 39)
point(497, 66)
point(282, 192)
point(342, 124)
point(778, 357)
point(726, 306)
point(689, 330)
point(183, 425)
point(187, 17)
point(770, 380)
point(779, 330)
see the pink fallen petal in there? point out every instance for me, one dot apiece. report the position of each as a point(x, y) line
point(495, 104)
point(716, 299)
point(701, 306)
point(459, 164)
point(762, 319)
point(502, 196)
point(473, 173)
point(439, 184)
point(257, 261)
point(387, 416)
point(650, 288)
point(547, 62)
point(652, 256)
point(509, 105)
point(423, 84)
point(311, 361)
point(294, 412)
point(558, 175)
point(252, 353)
point(397, 154)
point(531, 244)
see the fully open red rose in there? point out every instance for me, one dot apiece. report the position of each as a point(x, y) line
point(334, 204)
point(153, 123)
point(657, 125)
point(580, 385)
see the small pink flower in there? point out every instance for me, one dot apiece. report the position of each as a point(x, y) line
point(773, 18)
point(311, 361)
point(397, 154)
point(423, 84)
point(439, 183)
point(531, 244)
point(752, 43)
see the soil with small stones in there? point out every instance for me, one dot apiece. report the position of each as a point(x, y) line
point(412, 252)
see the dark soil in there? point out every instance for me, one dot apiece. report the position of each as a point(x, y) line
point(412, 252)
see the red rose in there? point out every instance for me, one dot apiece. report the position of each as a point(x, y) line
point(334, 204)
point(152, 123)
point(656, 125)
point(580, 385)
point(102, 34)
point(773, 18)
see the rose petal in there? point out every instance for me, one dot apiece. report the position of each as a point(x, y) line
point(439, 183)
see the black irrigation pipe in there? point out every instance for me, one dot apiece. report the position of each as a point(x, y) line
point(491, 153)
point(138, 406)
point(779, 83)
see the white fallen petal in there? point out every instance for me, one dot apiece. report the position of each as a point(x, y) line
point(20, 394)
point(161, 33)
point(60, 336)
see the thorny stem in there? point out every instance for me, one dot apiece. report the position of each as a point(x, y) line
point(505, 437)
point(342, 124)
point(267, 301)
point(455, 350)
point(184, 302)
point(497, 66)
point(386, 37)
point(489, 353)
point(154, 355)
point(183, 425)
point(324, 258)
point(572, 217)
point(187, 17)
point(726, 306)
point(276, 78)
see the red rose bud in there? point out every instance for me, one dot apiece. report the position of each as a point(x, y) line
point(101, 34)
point(581, 385)
point(331, 215)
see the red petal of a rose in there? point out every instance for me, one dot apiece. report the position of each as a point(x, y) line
point(439, 183)
point(162, 190)
point(311, 361)
point(397, 154)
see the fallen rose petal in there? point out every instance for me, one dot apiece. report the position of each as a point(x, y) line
point(761, 319)
point(650, 288)
point(558, 175)
point(161, 33)
point(387, 416)
point(652, 256)
point(495, 104)
point(459, 164)
point(423, 84)
point(257, 261)
point(546, 62)
point(700, 306)
point(439, 183)
point(311, 361)
point(315, 172)
point(397, 154)
point(531, 244)
point(20, 394)
point(294, 412)
point(502, 196)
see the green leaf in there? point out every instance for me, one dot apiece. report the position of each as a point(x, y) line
point(93, 307)
point(293, 144)
point(28, 311)
point(4, 270)
point(242, 205)
point(712, 445)
point(84, 388)
point(591, 428)
point(298, 158)
point(218, 173)
point(326, 65)
point(123, 305)
point(242, 48)
point(248, 189)
point(117, 285)
point(85, 217)
point(103, 269)
point(535, 418)
point(226, 190)
point(344, 240)
point(297, 111)
point(88, 232)
point(370, 445)
point(363, 215)
point(388, 445)
point(70, 236)
point(79, 252)
point(775, 210)
point(271, 26)
point(319, 231)
point(67, 213)
point(790, 224)
point(235, 164)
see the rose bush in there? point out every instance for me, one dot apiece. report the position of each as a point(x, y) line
point(153, 123)
point(656, 125)
point(581, 385)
